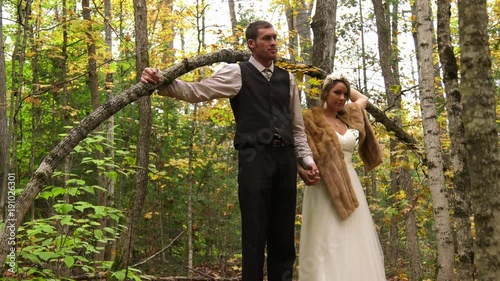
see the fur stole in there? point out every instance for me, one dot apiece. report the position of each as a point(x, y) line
point(328, 155)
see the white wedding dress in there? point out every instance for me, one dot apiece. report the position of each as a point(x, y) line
point(332, 249)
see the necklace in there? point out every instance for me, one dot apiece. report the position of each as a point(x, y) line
point(335, 121)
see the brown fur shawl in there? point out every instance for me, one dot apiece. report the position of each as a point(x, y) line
point(328, 155)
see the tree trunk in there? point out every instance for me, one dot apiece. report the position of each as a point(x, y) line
point(92, 81)
point(168, 26)
point(126, 243)
point(167, 56)
point(36, 113)
point(411, 228)
point(400, 176)
point(4, 128)
point(190, 192)
point(324, 23)
point(19, 55)
point(323, 26)
point(403, 173)
point(298, 15)
point(388, 64)
point(110, 130)
point(234, 24)
point(445, 249)
point(460, 202)
point(481, 135)
point(63, 65)
point(303, 24)
point(93, 85)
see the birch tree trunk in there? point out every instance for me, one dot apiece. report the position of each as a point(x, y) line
point(481, 135)
point(460, 202)
point(442, 223)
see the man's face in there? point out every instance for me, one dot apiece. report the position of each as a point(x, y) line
point(265, 48)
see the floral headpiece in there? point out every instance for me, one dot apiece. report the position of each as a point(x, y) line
point(334, 77)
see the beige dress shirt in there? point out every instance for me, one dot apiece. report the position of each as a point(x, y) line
point(226, 83)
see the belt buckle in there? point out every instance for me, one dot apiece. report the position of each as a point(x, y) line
point(278, 143)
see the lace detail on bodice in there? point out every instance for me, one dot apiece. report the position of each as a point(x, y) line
point(349, 142)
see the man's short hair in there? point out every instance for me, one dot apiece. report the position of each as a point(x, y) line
point(253, 29)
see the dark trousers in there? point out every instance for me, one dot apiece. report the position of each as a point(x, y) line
point(267, 180)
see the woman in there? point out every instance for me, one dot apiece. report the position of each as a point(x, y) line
point(338, 237)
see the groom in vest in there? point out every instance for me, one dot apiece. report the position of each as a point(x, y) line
point(270, 139)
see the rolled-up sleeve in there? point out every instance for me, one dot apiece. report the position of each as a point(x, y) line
point(226, 83)
point(301, 145)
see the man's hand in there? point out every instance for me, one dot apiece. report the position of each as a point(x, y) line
point(309, 175)
point(150, 75)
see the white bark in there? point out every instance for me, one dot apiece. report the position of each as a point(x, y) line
point(442, 223)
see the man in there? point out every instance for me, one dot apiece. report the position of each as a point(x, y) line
point(269, 138)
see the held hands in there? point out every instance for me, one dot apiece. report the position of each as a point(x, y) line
point(150, 75)
point(309, 175)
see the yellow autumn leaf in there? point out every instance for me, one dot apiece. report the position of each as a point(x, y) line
point(148, 215)
point(401, 195)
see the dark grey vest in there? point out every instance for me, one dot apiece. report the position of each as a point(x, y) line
point(262, 108)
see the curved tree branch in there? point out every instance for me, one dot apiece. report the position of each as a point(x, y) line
point(391, 126)
point(88, 124)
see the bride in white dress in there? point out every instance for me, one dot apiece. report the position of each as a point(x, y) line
point(338, 239)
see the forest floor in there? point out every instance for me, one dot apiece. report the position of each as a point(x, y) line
point(201, 273)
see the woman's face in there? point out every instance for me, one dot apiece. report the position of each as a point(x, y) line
point(337, 97)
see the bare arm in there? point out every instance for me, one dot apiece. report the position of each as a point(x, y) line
point(359, 98)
